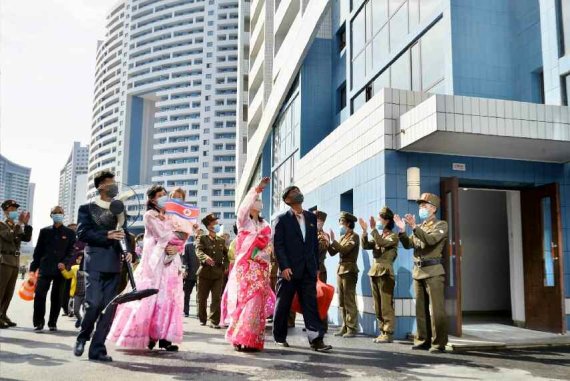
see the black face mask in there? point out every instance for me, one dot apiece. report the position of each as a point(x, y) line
point(297, 199)
point(111, 190)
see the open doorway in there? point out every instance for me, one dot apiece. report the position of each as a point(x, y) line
point(491, 257)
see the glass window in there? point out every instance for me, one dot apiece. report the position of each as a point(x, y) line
point(358, 101)
point(355, 4)
point(382, 81)
point(368, 59)
point(427, 8)
point(565, 26)
point(380, 49)
point(379, 14)
point(393, 5)
point(400, 73)
point(416, 67)
point(358, 32)
point(414, 10)
point(358, 70)
point(432, 56)
point(398, 28)
point(547, 242)
point(368, 9)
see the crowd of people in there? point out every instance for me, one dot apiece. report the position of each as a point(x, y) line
point(249, 281)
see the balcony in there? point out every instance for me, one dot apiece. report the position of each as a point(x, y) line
point(255, 109)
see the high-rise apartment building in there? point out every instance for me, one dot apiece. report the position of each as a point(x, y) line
point(73, 182)
point(15, 183)
point(166, 99)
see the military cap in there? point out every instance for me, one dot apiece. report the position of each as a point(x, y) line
point(430, 198)
point(287, 190)
point(321, 215)
point(9, 203)
point(347, 217)
point(387, 213)
point(209, 219)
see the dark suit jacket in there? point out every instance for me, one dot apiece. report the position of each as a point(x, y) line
point(190, 260)
point(291, 251)
point(101, 254)
point(55, 245)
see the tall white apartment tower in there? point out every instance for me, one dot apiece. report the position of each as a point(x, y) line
point(176, 99)
point(73, 181)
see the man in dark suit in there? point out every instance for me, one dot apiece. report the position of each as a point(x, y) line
point(102, 232)
point(191, 265)
point(53, 251)
point(296, 246)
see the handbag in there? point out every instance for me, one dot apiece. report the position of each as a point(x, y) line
point(325, 294)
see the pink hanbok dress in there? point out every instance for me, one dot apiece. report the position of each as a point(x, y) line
point(159, 316)
point(248, 299)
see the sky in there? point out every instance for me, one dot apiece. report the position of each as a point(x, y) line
point(47, 66)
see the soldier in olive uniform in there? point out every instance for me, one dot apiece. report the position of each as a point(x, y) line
point(212, 253)
point(427, 240)
point(347, 273)
point(324, 243)
point(384, 248)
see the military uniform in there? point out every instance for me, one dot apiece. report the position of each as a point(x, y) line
point(11, 236)
point(324, 243)
point(211, 278)
point(428, 241)
point(347, 277)
point(382, 278)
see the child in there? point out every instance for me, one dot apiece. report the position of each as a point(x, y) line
point(77, 290)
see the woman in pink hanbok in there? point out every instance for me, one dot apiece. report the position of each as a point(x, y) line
point(248, 299)
point(140, 324)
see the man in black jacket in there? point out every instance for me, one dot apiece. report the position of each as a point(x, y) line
point(54, 249)
point(191, 265)
point(102, 232)
point(296, 246)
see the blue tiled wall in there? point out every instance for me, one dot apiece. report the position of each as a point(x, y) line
point(316, 95)
point(496, 49)
point(381, 181)
point(266, 172)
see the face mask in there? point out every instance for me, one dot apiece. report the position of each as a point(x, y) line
point(112, 190)
point(320, 225)
point(257, 205)
point(342, 230)
point(57, 218)
point(178, 200)
point(161, 202)
point(424, 213)
point(13, 215)
point(217, 229)
point(298, 199)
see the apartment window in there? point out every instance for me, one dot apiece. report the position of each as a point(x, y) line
point(399, 27)
point(216, 192)
point(368, 92)
point(244, 112)
point(341, 38)
point(205, 153)
point(564, 87)
point(342, 97)
point(432, 57)
point(400, 73)
point(244, 145)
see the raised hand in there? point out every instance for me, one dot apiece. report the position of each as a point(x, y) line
point(363, 225)
point(372, 223)
point(331, 234)
point(262, 184)
point(410, 220)
point(399, 222)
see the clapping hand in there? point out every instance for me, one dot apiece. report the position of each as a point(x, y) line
point(400, 223)
point(24, 218)
point(363, 225)
point(410, 220)
point(372, 223)
point(171, 250)
point(331, 233)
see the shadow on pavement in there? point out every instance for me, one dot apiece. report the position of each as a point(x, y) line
point(31, 344)
point(29, 359)
point(180, 372)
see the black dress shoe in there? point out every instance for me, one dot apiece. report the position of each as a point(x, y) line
point(202, 323)
point(420, 347)
point(215, 326)
point(151, 344)
point(283, 344)
point(319, 346)
point(4, 325)
point(101, 357)
point(10, 322)
point(79, 348)
point(53, 328)
point(39, 328)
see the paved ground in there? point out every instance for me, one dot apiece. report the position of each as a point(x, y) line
point(204, 355)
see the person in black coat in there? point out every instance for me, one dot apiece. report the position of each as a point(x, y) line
point(296, 246)
point(191, 265)
point(53, 250)
point(102, 232)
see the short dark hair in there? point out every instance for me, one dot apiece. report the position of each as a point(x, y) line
point(235, 229)
point(150, 193)
point(101, 176)
point(390, 225)
point(351, 225)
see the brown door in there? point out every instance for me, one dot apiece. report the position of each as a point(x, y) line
point(542, 258)
point(452, 254)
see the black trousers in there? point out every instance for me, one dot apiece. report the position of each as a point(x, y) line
point(306, 288)
point(100, 289)
point(188, 287)
point(65, 296)
point(42, 287)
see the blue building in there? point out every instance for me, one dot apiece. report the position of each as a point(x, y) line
point(362, 101)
